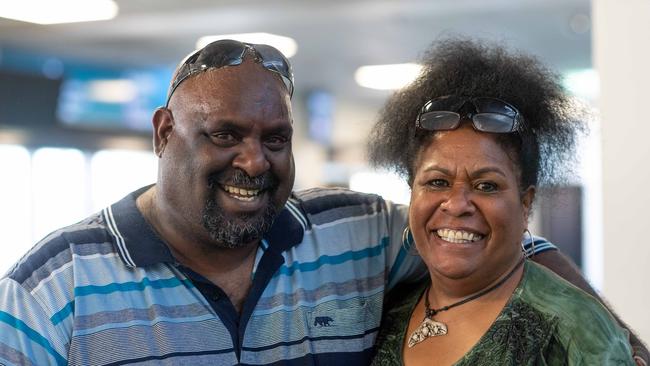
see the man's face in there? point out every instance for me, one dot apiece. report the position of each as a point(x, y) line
point(227, 166)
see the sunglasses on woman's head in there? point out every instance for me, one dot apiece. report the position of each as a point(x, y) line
point(227, 52)
point(487, 114)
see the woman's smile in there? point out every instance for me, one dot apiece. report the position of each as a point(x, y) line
point(458, 236)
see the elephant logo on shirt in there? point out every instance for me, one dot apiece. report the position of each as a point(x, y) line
point(323, 321)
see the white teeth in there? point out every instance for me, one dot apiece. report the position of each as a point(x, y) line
point(241, 193)
point(247, 199)
point(458, 236)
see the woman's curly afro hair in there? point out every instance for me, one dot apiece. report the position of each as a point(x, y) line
point(543, 151)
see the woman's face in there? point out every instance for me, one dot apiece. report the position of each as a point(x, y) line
point(467, 213)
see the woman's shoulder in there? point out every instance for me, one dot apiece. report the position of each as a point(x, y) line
point(553, 295)
point(583, 325)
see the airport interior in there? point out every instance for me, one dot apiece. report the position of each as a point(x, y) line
point(77, 96)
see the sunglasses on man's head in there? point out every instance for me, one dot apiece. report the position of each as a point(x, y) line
point(487, 114)
point(227, 52)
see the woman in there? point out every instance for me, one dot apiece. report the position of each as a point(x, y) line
point(474, 136)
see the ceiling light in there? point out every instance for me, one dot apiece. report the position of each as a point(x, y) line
point(59, 11)
point(112, 90)
point(387, 77)
point(286, 45)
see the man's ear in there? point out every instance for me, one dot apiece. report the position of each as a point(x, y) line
point(163, 125)
point(527, 199)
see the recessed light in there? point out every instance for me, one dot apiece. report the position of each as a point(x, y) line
point(58, 11)
point(387, 77)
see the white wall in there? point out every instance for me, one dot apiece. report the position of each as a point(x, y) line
point(621, 45)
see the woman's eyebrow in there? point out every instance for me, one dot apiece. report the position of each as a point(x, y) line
point(437, 168)
point(486, 170)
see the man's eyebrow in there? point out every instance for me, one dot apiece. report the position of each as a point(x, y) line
point(221, 120)
point(283, 128)
point(229, 124)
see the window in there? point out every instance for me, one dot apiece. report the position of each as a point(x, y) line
point(51, 188)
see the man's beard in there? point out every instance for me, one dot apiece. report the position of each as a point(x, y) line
point(236, 232)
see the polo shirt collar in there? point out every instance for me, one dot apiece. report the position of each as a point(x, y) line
point(138, 244)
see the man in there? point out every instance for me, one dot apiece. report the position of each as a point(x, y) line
point(218, 263)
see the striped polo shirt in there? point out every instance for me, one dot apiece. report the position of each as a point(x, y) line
point(107, 291)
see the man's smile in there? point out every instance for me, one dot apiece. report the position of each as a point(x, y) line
point(242, 194)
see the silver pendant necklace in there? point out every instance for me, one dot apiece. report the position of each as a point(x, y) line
point(432, 328)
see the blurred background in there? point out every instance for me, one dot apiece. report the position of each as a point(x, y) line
point(79, 81)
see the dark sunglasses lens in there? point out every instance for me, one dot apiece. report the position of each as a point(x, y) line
point(493, 122)
point(491, 105)
point(274, 60)
point(222, 53)
point(184, 70)
point(439, 120)
point(494, 115)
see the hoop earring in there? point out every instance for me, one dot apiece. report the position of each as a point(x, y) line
point(408, 243)
point(532, 242)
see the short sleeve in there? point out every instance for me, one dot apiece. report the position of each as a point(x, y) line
point(27, 335)
point(593, 347)
point(533, 244)
point(402, 261)
point(586, 331)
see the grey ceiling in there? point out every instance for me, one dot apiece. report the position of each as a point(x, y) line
point(334, 36)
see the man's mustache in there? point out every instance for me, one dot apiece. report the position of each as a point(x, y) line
point(239, 178)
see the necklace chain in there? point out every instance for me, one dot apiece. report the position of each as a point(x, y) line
point(430, 313)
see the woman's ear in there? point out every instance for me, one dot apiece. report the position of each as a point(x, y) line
point(527, 199)
point(163, 125)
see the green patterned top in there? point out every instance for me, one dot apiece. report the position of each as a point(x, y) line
point(547, 321)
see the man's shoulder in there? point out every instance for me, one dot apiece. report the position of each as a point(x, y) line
point(323, 205)
point(55, 251)
point(317, 200)
point(334, 196)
